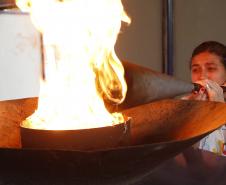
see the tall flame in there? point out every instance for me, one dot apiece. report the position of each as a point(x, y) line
point(81, 65)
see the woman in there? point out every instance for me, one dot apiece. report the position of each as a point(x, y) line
point(208, 68)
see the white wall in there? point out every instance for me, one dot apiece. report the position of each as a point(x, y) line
point(20, 57)
point(141, 42)
point(196, 21)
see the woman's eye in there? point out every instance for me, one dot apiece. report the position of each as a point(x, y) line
point(195, 70)
point(212, 69)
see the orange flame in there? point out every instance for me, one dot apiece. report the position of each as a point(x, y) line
point(81, 65)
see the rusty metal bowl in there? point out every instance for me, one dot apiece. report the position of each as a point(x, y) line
point(159, 131)
point(83, 139)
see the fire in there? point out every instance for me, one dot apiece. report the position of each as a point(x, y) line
point(81, 67)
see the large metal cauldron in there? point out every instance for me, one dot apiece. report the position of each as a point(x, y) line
point(157, 134)
point(124, 165)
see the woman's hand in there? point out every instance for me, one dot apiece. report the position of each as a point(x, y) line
point(224, 92)
point(210, 90)
point(201, 95)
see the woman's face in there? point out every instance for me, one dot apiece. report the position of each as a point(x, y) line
point(208, 66)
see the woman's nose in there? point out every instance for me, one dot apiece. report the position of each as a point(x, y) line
point(203, 75)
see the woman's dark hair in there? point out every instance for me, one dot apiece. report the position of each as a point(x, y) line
point(214, 47)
